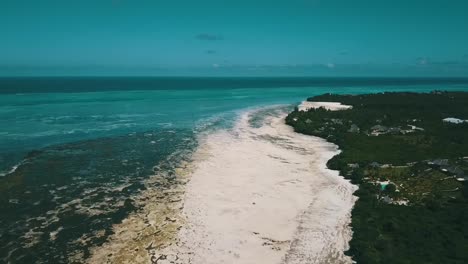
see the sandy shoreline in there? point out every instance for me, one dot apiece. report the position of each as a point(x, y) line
point(264, 195)
point(334, 106)
point(254, 195)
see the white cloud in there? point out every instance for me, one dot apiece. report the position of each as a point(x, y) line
point(423, 61)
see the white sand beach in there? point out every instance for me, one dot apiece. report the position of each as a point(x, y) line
point(264, 195)
point(256, 194)
point(334, 106)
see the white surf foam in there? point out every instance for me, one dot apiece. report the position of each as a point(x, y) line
point(13, 169)
point(264, 195)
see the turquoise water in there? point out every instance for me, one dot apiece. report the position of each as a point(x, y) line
point(35, 120)
point(73, 152)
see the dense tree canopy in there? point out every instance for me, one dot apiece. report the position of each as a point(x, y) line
point(407, 131)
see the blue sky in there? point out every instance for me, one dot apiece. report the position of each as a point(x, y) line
point(234, 38)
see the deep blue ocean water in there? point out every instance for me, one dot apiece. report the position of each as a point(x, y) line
point(73, 151)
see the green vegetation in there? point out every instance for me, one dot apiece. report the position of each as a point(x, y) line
point(420, 212)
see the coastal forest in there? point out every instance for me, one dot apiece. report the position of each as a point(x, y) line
point(408, 153)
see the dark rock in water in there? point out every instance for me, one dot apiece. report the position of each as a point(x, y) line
point(128, 204)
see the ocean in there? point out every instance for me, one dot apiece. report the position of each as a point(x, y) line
point(75, 152)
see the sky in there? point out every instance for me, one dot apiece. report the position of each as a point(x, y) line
point(234, 38)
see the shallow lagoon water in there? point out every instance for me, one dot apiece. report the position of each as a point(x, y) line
point(72, 160)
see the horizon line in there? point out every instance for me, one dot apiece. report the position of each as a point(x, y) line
point(231, 76)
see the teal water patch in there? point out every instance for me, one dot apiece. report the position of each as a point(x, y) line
point(383, 185)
